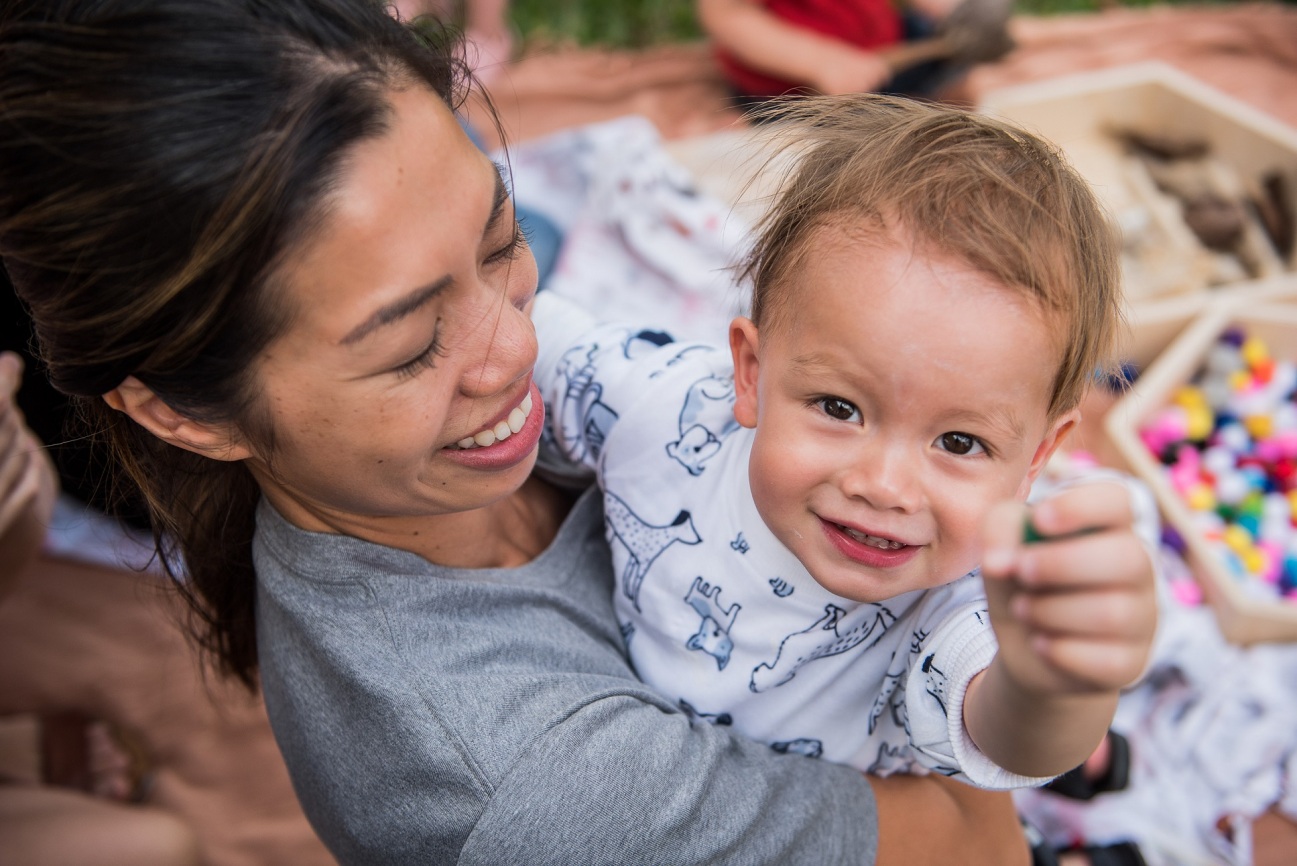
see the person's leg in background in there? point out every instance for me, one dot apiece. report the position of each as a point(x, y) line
point(488, 37)
point(46, 826)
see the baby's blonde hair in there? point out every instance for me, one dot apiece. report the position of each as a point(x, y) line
point(960, 183)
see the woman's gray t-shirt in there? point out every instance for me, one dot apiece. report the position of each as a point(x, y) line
point(433, 715)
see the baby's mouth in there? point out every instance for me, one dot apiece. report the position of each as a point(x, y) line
point(872, 540)
point(501, 431)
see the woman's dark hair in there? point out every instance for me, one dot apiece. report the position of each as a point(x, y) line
point(158, 159)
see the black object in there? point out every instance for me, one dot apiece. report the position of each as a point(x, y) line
point(81, 463)
point(1075, 785)
point(1118, 854)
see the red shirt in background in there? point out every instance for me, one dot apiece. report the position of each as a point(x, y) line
point(862, 23)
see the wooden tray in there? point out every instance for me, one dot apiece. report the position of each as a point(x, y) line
point(1269, 313)
point(1163, 257)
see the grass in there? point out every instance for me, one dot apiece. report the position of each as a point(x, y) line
point(614, 23)
point(636, 23)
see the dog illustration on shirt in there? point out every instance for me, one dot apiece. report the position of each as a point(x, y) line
point(713, 635)
point(644, 541)
point(706, 418)
point(586, 419)
point(822, 639)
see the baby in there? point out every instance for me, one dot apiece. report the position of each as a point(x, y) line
point(796, 524)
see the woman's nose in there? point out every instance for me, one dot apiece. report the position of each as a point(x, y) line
point(504, 351)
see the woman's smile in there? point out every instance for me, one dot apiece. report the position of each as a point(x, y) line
point(502, 429)
point(508, 441)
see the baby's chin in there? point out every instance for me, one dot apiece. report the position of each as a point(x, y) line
point(862, 589)
point(869, 585)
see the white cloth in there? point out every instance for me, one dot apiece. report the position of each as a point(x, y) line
point(717, 614)
point(79, 532)
point(1213, 745)
point(641, 243)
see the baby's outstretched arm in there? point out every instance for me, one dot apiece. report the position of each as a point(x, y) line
point(1074, 615)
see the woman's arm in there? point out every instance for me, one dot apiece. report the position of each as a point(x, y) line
point(932, 819)
point(625, 780)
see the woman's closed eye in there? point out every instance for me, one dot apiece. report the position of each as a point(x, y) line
point(961, 444)
point(425, 360)
point(507, 253)
point(838, 409)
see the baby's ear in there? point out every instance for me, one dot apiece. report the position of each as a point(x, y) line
point(217, 441)
point(743, 346)
point(1053, 438)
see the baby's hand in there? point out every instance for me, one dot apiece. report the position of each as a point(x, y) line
point(1075, 612)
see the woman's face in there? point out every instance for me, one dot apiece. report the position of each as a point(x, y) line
point(411, 339)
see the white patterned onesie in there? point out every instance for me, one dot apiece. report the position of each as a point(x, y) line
point(717, 614)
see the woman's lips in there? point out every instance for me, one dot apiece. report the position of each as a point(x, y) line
point(504, 452)
point(502, 430)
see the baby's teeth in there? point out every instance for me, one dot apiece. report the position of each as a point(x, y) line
point(502, 431)
point(516, 419)
point(466, 442)
point(485, 438)
point(873, 540)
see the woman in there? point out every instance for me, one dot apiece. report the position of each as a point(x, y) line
point(255, 229)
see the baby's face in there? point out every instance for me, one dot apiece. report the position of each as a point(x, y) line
point(899, 396)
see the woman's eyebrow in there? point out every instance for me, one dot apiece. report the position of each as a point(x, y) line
point(395, 311)
point(402, 307)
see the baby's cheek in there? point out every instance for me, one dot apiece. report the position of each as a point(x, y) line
point(960, 527)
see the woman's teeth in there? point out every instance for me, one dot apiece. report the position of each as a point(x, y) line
point(501, 431)
point(872, 540)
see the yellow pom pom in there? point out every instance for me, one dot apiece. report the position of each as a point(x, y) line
point(1201, 423)
point(1238, 540)
point(1254, 351)
point(1260, 426)
point(1190, 397)
point(1253, 560)
point(1201, 498)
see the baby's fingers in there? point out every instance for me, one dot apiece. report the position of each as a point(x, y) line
point(1105, 615)
point(1088, 506)
point(1002, 539)
point(1113, 558)
point(1093, 664)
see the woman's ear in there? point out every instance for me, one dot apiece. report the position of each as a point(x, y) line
point(743, 346)
point(217, 441)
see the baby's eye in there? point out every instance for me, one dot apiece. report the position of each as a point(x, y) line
point(960, 443)
point(839, 409)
